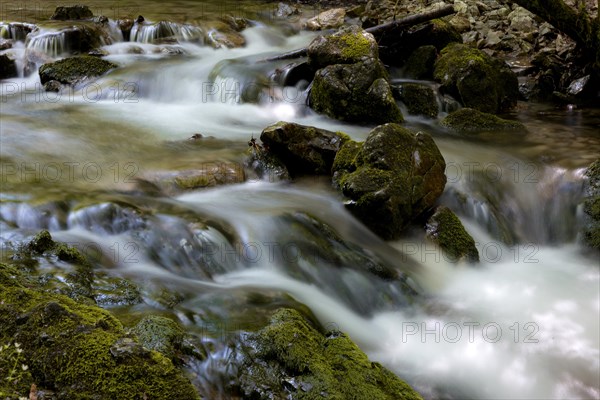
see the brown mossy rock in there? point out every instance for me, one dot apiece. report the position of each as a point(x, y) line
point(468, 121)
point(351, 83)
point(73, 70)
point(79, 351)
point(591, 206)
point(445, 229)
point(291, 358)
point(304, 150)
point(477, 80)
point(76, 12)
point(392, 179)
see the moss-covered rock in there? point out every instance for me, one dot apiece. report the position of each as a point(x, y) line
point(591, 206)
point(290, 358)
point(445, 229)
point(421, 62)
point(161, 334)
point(77, 351)
point(441, 35)
point(303, 149)
point(351, 82)
point(476, 79)
point(469, 121)
point(396, 176)
point(418, 99)
point(74, 69)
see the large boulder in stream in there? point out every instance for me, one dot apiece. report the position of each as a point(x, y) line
point(591, 206)
point(304, 150)
point(292, 359)
point(71, 350)
point(391, 179)
point(351, 83)
point(476, 79)
point(8, 67)
point(73, 70)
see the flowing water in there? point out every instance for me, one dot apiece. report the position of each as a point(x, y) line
point(521, 325)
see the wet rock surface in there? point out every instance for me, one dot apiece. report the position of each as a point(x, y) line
point(74, 70)
point(445, 229)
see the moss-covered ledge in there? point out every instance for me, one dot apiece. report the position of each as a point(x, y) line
point(290, 358)
point(75, 351)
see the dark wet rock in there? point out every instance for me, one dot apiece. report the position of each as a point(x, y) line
point(441, 35)
point(111, 291)
point(351, 83)
point(266, 165)
point(394, 177)
point(74, 69)
point(591, 233)
point(125, 26)
point(291, 358)
point(72, 13)
point(469, 121)
point(67, 345)
point(476, 79)
point(445, 229)
point(329, 19)
point(8, 67)
point(303, 149)
point(420, 63)
point(419, 99)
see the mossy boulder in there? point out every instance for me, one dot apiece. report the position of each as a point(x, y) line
point(469, 121)
point(161, 334)
point(591, 206)
point(441, 35)
point(420, 63)
point(419, 99)
point(445, 229)
point(292, 359)
point(304, 150)
point(351, 83)
point(77, 351)
point(476, 79)
point(74, 70)
point(394, 177)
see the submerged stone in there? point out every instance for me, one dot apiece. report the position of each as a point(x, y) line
point(393, 178)
point(290, 358)
point(476, 79)
point(445, 229)
point(469, 121)
point(74, 69)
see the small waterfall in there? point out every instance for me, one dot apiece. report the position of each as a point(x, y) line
point(151, 33)
point(51, 43)
point(15, 30)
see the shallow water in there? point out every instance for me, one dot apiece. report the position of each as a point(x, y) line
point(522, 325)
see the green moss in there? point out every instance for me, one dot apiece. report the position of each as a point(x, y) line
point(469, 121)
point(345, 158)
point(80, 351)
point(443, 34)
point(354, 46)
point(73, 69)
point(445, 229)
point(161, 334)
point(420, 63)
point(331, 366)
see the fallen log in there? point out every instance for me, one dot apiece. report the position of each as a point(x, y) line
point(379, 30)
